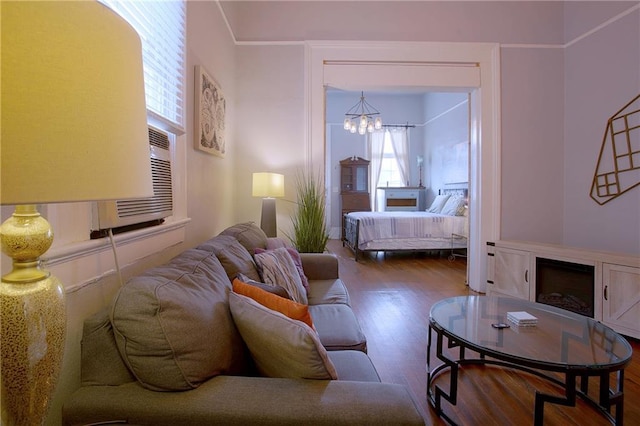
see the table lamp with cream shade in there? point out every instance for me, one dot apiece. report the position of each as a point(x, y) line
point(269, 186)
point(74, 128)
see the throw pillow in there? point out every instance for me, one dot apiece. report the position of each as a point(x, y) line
point(278, 268)
point(438, 203)
point(293, 310)
point(275, 289)
point(453, 205)
point(297, 260)
point(280, 346)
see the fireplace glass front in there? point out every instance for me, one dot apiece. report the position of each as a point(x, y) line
point(566, 285)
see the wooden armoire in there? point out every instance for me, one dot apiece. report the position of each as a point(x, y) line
point(354, 186)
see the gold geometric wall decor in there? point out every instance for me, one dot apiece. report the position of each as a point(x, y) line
point(618, 169)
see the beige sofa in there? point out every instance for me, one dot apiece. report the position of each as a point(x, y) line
point(180, 347)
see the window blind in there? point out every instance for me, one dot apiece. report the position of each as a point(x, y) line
point(161, 27)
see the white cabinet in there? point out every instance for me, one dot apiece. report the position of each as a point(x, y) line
point(511, 275)
point(402, 198)
point(615, 278)
point(621, 294)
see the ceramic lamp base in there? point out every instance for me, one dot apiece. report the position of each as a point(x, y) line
point(32, 326)
point(32, 321)
point(268, 218)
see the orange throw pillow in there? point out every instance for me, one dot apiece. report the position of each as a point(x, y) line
point(289, 308)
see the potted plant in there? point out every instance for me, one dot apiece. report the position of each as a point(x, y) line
point(309, 225)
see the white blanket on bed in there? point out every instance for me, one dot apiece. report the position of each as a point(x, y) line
point(376, 226)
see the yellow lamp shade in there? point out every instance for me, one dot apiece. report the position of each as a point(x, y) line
point(270, 185)
point(73, 106)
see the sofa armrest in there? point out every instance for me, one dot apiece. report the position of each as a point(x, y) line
point(320, 266)
point(247, 400)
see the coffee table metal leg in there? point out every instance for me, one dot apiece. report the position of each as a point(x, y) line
point(435, 397)
point(568, 400)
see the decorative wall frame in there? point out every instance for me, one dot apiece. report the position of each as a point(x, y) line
point(210, 105)
point(618, 168)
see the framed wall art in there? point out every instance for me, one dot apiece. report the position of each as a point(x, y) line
point(210, 114)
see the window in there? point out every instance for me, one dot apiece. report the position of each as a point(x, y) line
point(389, 170)
point(161, 26)
point(388, 150)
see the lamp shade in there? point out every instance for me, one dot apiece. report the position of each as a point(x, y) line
point(268, 185)
point(74, 124)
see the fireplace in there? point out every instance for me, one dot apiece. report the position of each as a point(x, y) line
point(566, 285)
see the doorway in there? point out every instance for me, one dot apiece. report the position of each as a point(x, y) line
point(449, 66)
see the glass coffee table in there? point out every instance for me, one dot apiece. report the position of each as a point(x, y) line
point(561, 342)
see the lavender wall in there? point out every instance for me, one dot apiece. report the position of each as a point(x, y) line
point(602, 74)
point(565, 68)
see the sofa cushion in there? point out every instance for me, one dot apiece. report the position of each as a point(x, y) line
point(327, 291)
point(280, 346)
point(291, 309)
point(101, 361)
point(173, 326)
point(277, 267)
point(248, 234)
point(233, 256)
point(338, 327)
point(354, 365)
point(271, 288)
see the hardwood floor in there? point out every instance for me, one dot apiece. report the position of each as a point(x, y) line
point(392, 296)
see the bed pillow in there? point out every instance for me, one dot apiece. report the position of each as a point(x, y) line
point(454, 206)
point(280, 346)
point(438, 203)
point(277, 267)
point(291, 309)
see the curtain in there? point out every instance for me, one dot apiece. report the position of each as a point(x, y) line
point(400, 145)
point(375, 149)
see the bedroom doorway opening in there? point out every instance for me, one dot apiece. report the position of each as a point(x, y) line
point(432, 133)
point(438, 66)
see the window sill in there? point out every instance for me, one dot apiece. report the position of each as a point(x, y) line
point(80, 264)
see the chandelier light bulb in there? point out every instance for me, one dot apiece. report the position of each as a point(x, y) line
point(370, 127)
point(347, 124)
point(363, 120)
point(352, 129)
point(378, 123)
point(362, 130)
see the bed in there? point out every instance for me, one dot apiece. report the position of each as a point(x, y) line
point(444, 226)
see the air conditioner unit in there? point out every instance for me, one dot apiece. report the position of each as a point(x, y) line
point(115, 214)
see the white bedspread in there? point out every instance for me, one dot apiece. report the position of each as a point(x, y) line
point(380, 227)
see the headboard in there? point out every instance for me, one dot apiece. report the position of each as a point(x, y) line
point(462, 192)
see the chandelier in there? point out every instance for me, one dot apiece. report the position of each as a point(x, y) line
point(362, 117)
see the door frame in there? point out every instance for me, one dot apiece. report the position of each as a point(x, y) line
point(441, 66)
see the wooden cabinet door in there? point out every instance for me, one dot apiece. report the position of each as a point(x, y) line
point(621, 298)
point(511, 276)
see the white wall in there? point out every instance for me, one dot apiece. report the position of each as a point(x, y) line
point(549, 141)
point(211, 192)
point(446, 142)
point(602, 74)
point(270, 130)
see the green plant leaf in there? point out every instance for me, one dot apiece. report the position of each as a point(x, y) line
point(310, 233)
